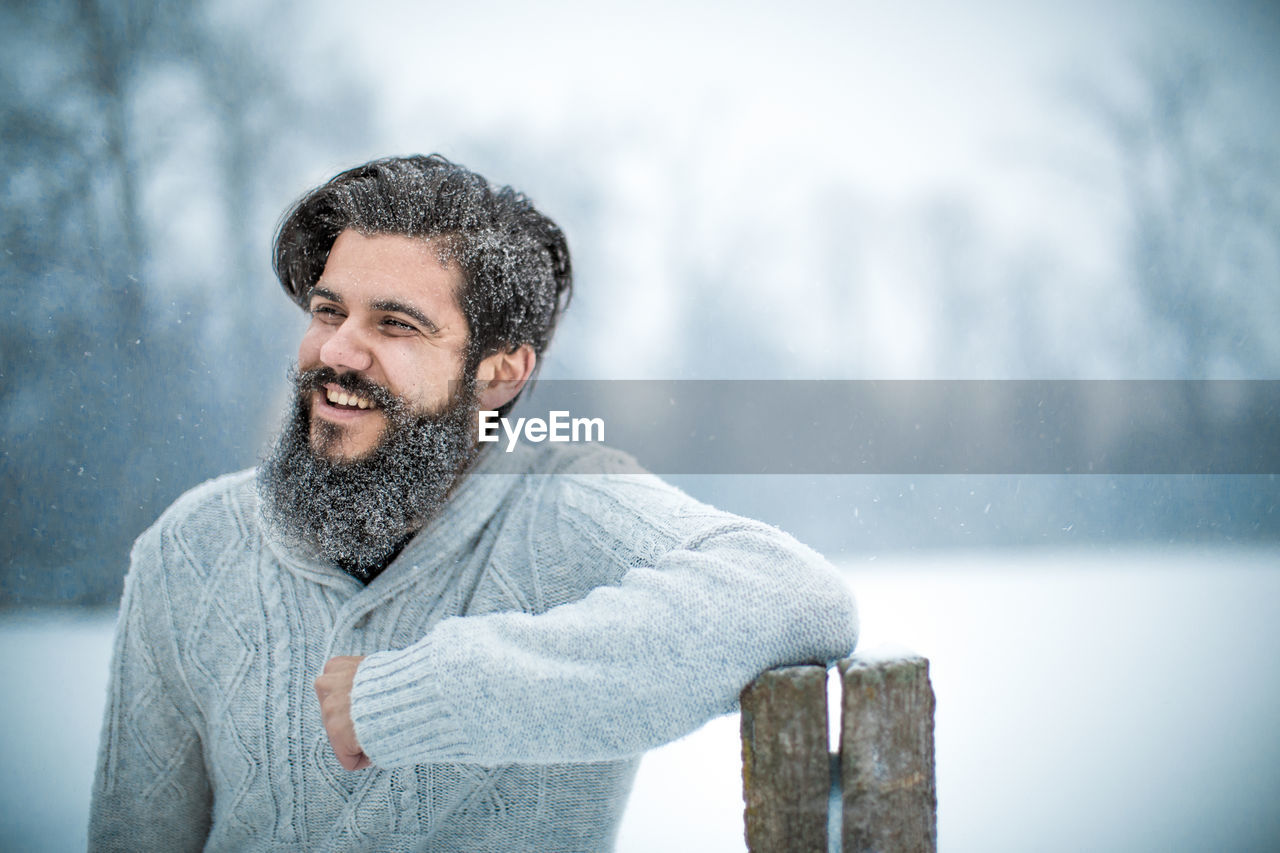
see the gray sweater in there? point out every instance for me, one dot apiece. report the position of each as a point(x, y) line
point(528, 645)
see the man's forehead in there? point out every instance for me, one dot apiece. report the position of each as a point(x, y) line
point(362, 266)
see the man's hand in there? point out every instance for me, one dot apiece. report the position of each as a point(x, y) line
point(333, 689)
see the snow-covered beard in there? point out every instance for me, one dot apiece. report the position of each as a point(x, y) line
point(356, 512)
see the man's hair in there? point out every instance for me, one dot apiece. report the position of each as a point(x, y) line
point(517, 278)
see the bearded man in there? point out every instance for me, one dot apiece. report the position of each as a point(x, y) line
point(385, 638)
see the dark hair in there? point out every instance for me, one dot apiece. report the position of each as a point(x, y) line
point(515, 260)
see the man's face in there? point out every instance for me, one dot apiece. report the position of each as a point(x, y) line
point(385, 310)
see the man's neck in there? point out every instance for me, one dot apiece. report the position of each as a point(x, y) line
point(366, 574)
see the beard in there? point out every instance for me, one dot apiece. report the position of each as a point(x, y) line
point(359, 512)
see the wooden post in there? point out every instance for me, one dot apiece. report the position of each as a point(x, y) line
point(890, 800)
point(786, 773)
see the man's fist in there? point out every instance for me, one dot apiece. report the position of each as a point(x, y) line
point(333, 689)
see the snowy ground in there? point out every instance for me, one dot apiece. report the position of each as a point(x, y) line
point(1093, 700)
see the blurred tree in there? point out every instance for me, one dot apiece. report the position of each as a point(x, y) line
point(106, 415)
point(1203, 189)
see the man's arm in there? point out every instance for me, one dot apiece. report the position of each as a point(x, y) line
point(150, 791)
point(624, 669)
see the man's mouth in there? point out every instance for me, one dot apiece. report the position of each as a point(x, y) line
point(340, 399)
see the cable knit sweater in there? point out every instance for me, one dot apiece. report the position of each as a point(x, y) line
point(524, 650)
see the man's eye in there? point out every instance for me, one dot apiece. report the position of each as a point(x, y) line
point(397, 325)
point(325, 312)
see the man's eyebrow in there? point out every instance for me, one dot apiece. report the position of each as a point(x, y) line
point(323, 293)
point(391, 305)
point(404, 308)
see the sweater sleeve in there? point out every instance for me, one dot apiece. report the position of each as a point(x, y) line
point(706, 601)
point(150, 789)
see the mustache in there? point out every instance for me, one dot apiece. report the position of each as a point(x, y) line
point(316, 378)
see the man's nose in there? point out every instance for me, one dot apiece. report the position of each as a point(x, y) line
point(346, 349)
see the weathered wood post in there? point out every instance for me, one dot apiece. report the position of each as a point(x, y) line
point(887, 797)
point(786, 771)
point(888, 788)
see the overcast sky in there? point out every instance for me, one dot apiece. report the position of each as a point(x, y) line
point(901, 99)
point(731, 117)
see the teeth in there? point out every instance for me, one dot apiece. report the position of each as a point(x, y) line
point(342, 398)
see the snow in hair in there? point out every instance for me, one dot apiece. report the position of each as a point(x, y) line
point(515, 260)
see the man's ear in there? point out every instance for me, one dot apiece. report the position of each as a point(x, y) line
point(500, 376)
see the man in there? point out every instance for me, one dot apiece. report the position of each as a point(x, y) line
point(498, 637)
